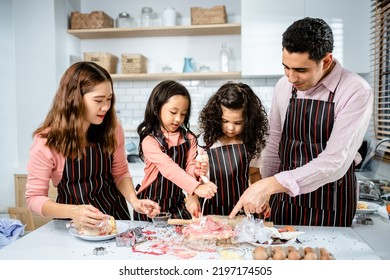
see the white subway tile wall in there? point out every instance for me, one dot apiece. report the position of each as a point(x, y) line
point(133, 95)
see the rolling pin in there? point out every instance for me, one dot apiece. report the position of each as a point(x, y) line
point(179, 222)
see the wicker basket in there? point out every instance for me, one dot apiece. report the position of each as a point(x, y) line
point(214, 15)
point(133, 63)
point(96, 19)
point(107, 60)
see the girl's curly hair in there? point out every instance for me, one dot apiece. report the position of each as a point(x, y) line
point(236, 96)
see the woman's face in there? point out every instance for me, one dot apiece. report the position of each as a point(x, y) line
point(232, 122)
point(173, 112)
point(96, 104)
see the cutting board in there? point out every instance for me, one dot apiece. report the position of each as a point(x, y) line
point(217, 218)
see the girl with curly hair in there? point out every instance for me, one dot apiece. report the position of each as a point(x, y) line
point(234, 127)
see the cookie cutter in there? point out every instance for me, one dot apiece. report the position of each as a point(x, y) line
point(125, 239)
point(130, 237)
point(99, 251)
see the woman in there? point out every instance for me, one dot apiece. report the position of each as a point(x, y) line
point(80, 147)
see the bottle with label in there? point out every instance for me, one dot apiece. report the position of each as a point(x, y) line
point(224, 59)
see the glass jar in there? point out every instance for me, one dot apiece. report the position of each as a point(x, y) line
point(124, 20)
point(146, 16)
point(169, 17)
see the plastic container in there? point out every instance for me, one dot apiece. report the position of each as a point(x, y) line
point(231, 253)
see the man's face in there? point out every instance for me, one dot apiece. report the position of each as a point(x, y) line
point(303, 72)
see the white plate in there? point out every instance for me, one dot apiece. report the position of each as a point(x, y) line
point(120, 228)
point(372, 208)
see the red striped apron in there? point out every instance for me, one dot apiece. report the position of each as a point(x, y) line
point(306, 130)
point(89, 181)
point(169, 196)
point(229, 169)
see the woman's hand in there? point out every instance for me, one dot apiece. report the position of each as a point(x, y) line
point(207, 190)
point(146, 206)
point(193, 205)
point(86, 216)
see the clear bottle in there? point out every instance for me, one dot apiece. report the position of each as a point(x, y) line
point(224, 59)
point(146, 16)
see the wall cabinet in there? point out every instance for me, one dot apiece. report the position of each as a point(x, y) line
point(174, 31)
point(263, 23)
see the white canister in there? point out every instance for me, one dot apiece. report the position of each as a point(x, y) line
point(169, 17)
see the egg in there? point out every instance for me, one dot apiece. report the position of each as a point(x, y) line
point(291, 248)
point(308, 250)
point(294, 255)
point(279, 255)
point(310, 256)
point(259, 253)
point(324, 254)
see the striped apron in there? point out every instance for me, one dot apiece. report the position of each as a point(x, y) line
point(229, 169)
point(306, 130)
point(89, 181)
point(169, 196)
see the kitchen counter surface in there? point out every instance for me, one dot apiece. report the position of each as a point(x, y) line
point(53, 241)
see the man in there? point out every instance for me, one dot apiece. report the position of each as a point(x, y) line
point(319, 116)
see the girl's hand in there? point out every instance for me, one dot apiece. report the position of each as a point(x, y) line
point(146, 206)
point(206, 190)
point(201, 165)
point(193, 205)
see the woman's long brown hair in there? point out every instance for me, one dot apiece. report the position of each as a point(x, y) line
point(63, 126)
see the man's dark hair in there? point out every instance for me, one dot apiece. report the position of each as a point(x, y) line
point(312, 35)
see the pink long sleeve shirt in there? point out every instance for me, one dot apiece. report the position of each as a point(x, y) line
point(353, 108)
point(157, 161)
point(46, 164)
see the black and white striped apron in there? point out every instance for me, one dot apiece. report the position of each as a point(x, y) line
point(229, 169)
point(89, 181)
point(169, 196)
point(306, 130)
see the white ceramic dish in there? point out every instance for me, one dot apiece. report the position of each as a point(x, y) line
point(120, 227)
point(372, 208)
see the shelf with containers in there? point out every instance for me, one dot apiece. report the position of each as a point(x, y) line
point(191, 30)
